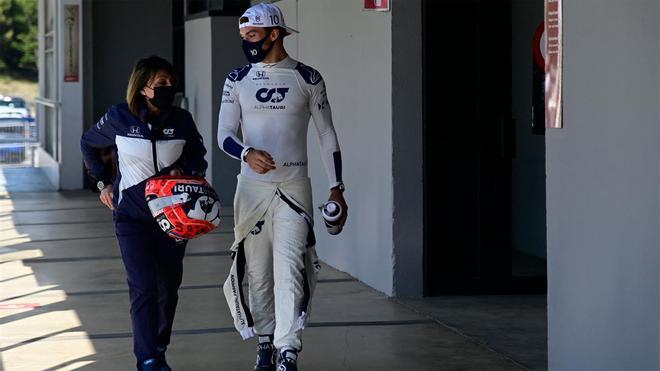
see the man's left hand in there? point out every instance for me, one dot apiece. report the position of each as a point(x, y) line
point(338, 196)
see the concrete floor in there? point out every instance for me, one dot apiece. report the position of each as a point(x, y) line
point(23, 179)
point(513, 325)
point(64, 304)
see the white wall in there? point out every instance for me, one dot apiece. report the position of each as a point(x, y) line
point(602, 191)
point(199, 82)
point(228, 56)
point(71, 111)
point(353, 51)
point(290, 10)
point(212, 51)
point(62, 167)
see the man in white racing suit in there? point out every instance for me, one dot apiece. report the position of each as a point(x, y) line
point(271, 100)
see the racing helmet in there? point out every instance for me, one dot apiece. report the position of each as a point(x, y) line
point(184, 207)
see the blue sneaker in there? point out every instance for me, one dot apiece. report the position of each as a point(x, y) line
point(288, 360)
point(266, 356)
point(149, 365)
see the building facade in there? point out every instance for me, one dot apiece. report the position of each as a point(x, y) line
point(449, 185)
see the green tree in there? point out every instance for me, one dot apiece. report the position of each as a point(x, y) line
point(18, 36)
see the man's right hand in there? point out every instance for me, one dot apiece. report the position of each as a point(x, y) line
point(260, 161)
point(106, 196)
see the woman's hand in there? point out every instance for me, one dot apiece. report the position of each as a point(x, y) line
point(260, 161)
point(106, 196)
point(176, 171)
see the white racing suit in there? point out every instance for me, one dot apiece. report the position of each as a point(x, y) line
point(272, 105)
point(274, 248)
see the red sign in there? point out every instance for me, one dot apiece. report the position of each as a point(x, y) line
point(553, 64)
point(380, 5)
point(71, 43)
point(538, 46)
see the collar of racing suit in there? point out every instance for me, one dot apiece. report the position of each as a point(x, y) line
point(287, 62)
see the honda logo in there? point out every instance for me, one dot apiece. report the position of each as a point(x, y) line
point(135, 130)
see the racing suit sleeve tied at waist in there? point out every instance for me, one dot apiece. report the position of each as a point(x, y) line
point(233, 289)
point(252, 201)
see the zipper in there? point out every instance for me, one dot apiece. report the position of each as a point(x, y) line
point(153, 149)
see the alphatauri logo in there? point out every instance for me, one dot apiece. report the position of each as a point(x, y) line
point(257, 228)
point(273, 95)
point(168, 132)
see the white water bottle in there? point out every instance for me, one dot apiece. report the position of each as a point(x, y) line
point(332, 214)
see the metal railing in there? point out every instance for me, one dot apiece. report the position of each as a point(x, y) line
point(47, 102)
point(48, 124)
point(19, 140)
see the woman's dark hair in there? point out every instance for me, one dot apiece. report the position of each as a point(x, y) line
point(143, 71)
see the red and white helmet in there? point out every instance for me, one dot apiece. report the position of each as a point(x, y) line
point(185, 207)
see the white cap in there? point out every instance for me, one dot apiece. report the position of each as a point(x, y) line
point(264, 15)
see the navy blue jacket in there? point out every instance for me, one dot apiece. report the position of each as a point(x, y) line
point(144, 148)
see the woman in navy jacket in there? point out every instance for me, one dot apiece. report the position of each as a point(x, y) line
point(151, 138)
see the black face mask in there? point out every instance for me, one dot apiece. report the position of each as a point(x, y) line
point(163, 97)
point(254, 51)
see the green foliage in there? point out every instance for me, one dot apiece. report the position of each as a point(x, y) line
point(18, 36)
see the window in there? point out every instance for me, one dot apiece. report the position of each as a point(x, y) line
point(12, 102)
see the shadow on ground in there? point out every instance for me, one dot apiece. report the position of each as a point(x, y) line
point(64, 304)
